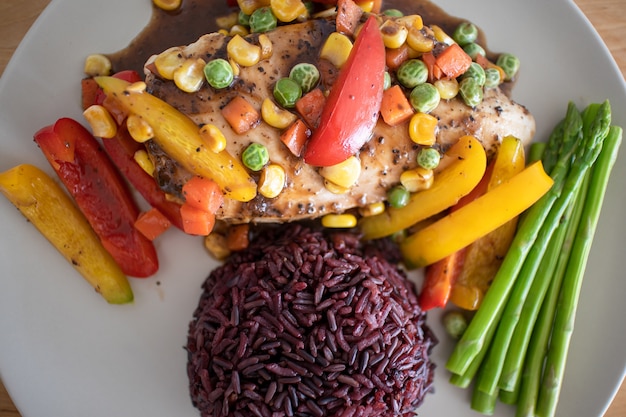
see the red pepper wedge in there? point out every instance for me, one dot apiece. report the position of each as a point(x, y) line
point(100, 193)
point(353, 104)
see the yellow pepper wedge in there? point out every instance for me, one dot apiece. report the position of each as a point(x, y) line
point(483, 257)
point(453, 182)
point(44, 203)
point(483, 215)
point(180, 138)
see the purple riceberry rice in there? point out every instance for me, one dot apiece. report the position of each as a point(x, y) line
point(324, 326)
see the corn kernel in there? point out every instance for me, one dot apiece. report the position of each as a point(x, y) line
point(243, 52)
point(423, 129)
point(448, 88)
point(169, 61)
point(137, 87)
point(228, 21)
point(345, 174)
point(249, 6)
point(372, 209)
point(334, 188)
point(167, 5)
point(101, 121)
point(409, 21)
point(339, 221)
point(394, 35)
point(215, 244)
point(441, 35)
point(266, 46)
point(366, 5)
point(288, 10)
point(139, 129)
point(336, 49)
point(417, 179)
point(238, 30)
point(275, 115)
point(419, 41)
point(213, 137)
point(96, 65)
point(235, 67)
point(143, 160)
point(272, 180)
point(190, 76)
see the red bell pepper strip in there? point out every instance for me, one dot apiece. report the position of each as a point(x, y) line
point(353, 104)
point(121, 150)
point(100, 193)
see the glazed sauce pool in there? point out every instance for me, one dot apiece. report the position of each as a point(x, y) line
point(197, 17)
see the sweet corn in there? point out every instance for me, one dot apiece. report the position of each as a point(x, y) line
point(288, 10)
point(275, 115)
point(366, 5)
point(423, 129)
point(266, 46)
point(143, 160)
point(243, 52)
point(394, 35)
point(238, 30)
point(215, 244)
point(417, 179)
point(167, 5)
point(235, 67)
point(213, 137)
point(102, 123)
point(441, 35)
point(97, 64)
point(372, 209)
point(447, 88)
point(224, 32)
point(334, 188)
point(271, 181)
point(137, 87)
point(336, 49)
point(228, 21)
point(418, 40)
point(339, 221)
point(409, 21)
point(345, 174)
point(190, 76)
point(168, 61)
point(138, 128)
point(249, 6)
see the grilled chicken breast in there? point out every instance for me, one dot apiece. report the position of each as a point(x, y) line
point(389, 152)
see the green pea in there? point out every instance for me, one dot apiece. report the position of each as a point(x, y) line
point(477, 72)
point(471, 91)
point(428, 158)
point(218, 73)
point(306, 75)
point(455, 324)
point(262, 20)
point(492, 77)
point(393, 13)
point(412, 72)
point(510, 64)
point(287, 92)
point(425, 98)
point(243, 19)
point(386, 80)
point(465, 33)
point(473, 49)
point(398, 196)
point(255, 156)
point(310, 7)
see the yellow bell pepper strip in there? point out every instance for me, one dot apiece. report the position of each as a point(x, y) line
point(44, 203)
point(180, 138)
point(468, 165)
point(476, 219)
point(484, 256)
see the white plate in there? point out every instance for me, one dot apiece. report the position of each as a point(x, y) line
point(67, 353)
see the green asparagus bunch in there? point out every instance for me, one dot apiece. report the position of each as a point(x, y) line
point(515, 347)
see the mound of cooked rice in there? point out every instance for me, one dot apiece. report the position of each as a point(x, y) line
point(308, 323)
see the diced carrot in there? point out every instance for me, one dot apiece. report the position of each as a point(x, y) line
point(152, 223)
point(395, 57)
point(203, 194)
point(395, 107)
point(238, 237)
point(195, 221)
point(89, 92)
point(310, 107)
point(240, 114)
point(348, 15)
point(434, 72)
point(295, 136)
point(453, 61)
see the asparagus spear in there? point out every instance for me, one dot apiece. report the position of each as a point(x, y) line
point(488, 315)
point(572, 282)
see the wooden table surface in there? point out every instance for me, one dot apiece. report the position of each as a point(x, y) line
point(608, 16)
